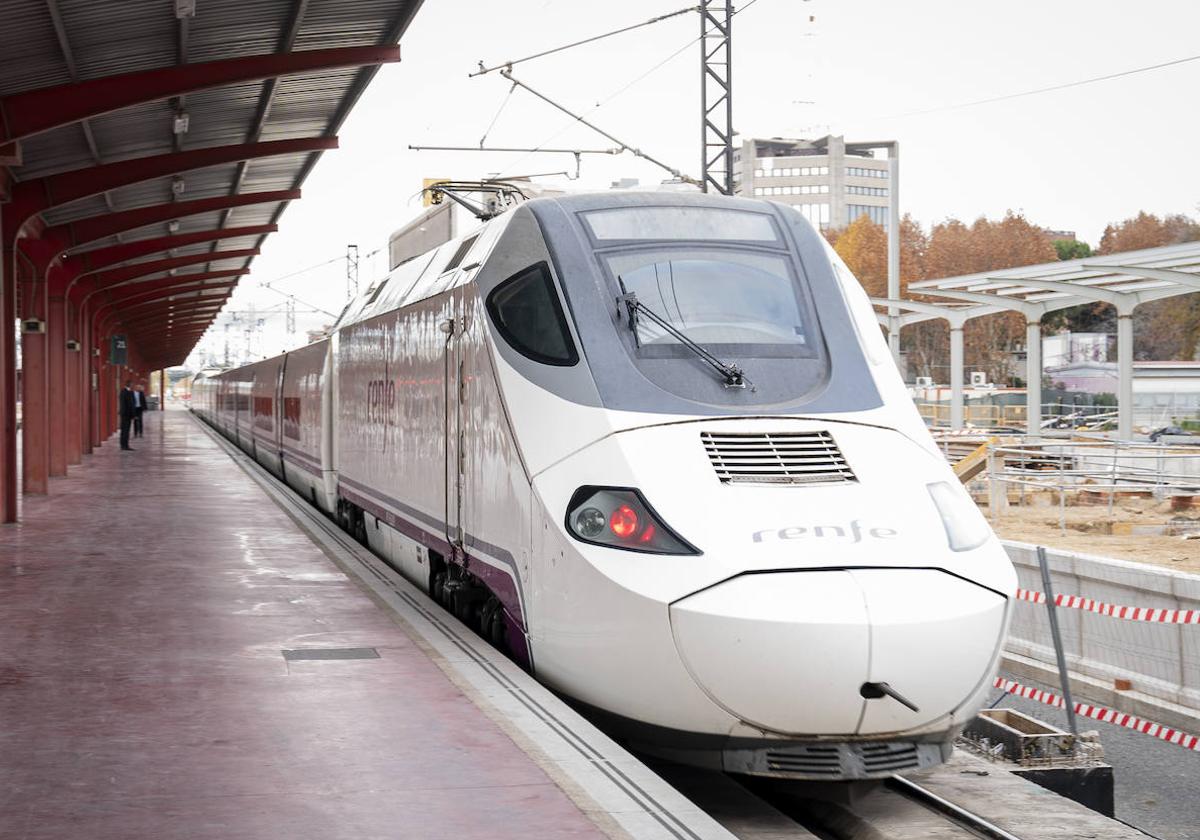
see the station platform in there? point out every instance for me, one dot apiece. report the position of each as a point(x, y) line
point(183, 654)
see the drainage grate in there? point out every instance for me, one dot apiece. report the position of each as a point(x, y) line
point(330, 653)
point(776, 457)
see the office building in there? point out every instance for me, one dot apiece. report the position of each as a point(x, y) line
point(830, 181)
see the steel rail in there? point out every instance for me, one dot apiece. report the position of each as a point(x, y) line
point(945, 807)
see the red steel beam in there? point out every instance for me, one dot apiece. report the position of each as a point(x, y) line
point(150, 332)
point(199, 280)
point(136, 286)
point(165, 333)
point(180, 343)
point(157, 294)
point(31, 112)
point(155, 318)
point(94, 228)
point(116, 276)
point(159, 310)
point(92, 261)
point(137, 312)
point(38, 194)
point(152, 318)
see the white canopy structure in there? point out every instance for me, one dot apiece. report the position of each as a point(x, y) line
point(1124, 280)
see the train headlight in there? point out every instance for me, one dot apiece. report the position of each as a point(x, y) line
point(618, 517)
point(965, 526)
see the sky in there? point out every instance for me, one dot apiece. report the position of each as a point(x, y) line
point(1071, 159)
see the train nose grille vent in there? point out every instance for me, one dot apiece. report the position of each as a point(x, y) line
point(810, 760)
point(878, 758)
point(776, 458)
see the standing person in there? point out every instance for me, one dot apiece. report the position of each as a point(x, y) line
point(140, 409)
point(128, 409)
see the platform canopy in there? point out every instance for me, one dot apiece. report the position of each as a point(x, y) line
point(147, 148)
point(1125, 281)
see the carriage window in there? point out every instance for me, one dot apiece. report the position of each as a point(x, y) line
point(460, 253)
point(526, 311)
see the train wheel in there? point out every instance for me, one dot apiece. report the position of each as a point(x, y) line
point(438, 587)
point(495, 627)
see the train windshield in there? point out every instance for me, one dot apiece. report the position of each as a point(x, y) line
point(730, 302)
point(694, 304)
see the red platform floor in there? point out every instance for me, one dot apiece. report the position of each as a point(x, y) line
point(144, 608)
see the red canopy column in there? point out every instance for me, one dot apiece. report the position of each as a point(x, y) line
point(74, 372)
point(35, 369)
point(8, 372)
point(56, 350)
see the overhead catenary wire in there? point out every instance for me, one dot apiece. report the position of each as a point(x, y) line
point(623, 89)
point(1049, 89)
point(621, 143)
point(499, 111)
point(510, 64)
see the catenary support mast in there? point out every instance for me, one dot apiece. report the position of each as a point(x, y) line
point(716, 96)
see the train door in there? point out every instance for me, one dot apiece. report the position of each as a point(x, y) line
point(455, 328)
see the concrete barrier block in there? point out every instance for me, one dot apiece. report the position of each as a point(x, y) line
point(1161, 660)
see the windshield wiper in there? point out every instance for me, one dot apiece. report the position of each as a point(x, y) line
point(733, 376)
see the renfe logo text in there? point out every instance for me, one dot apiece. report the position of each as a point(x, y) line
point(855, 532)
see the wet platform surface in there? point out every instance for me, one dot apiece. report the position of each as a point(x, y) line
point(145, 607)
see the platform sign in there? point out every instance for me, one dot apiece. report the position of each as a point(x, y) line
point(116, 353)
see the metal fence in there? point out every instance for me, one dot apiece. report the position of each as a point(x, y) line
point(1102, 467)
point(1150, 411)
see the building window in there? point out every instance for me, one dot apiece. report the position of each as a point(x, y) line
point(863, 172)
point(818, 214)
point(878, 215)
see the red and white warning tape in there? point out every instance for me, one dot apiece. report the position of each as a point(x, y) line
point(1156, 730)
point(1130, 613)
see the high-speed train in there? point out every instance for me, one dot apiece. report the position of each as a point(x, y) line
point(654, 445)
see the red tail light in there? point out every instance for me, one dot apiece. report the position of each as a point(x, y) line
point(631, 523)
point(624, 522)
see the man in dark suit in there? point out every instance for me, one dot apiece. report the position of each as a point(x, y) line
point(128, 409)
point(140, 409)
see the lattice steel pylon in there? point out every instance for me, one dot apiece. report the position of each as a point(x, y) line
point(351, 272)
point(291, 316)
point(716, 95)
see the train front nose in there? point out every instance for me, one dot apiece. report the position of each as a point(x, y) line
point(790, 652)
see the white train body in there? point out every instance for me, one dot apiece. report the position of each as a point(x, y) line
point(782, 579)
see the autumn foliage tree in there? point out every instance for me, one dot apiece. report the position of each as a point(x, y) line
point(1165, 329)
point(988, 246)
point(951, 248)
point(862, 245)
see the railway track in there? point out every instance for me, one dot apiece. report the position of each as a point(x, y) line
point(897, 809)
point(956, 813)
